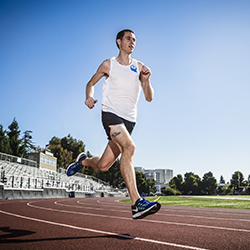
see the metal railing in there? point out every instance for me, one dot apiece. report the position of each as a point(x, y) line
point(23, 161)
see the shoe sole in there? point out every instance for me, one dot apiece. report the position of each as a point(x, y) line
point(73, 168)
point(82, 156)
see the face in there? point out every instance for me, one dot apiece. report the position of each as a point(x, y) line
point(127, 43)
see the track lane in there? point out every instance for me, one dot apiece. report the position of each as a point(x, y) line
point(155, 230)
point(114, 235)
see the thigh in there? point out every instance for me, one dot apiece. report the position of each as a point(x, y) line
point(120, 136)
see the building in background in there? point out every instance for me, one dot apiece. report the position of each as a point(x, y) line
point(44, 160)
point(161, 176)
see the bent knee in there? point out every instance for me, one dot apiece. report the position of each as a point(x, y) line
point(103, 167)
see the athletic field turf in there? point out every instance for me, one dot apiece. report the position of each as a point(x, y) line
point(237, 202)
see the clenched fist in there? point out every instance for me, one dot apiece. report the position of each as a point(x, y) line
point(90, 102)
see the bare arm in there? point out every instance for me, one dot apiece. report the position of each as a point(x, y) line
point(103, 70)
point(145, 73)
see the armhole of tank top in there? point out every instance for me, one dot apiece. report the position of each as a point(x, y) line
point(111, 64)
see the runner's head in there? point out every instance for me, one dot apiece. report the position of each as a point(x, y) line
point(121, 34)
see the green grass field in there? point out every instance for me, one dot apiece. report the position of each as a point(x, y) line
point(236, 202)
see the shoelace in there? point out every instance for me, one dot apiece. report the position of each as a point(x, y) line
point(143, 202)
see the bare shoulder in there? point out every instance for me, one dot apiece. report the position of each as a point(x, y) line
point(106, 63)
point(105, 67)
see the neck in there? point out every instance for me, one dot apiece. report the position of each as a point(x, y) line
point(123, 59)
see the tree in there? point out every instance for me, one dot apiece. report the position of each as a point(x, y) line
point(245, 183)
point(73, 145)
point(170, 191)
point(10, 142)
point(227, 189)
point(236, 181)
point(27, 143)
point(191, 184)
point(150, 183)
point(54, 141)
point(113, 176)
point(66, 150)
point(141, 182)
point(4, 142)
point(144, 185)
point(176, 183)
point(209, 184)
point(14, 141)
point(222, 181)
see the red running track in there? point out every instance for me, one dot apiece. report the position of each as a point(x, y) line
point(104, 223)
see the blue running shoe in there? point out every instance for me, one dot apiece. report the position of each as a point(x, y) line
point(143, 208)
point(76, 166)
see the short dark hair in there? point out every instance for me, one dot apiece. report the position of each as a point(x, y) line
point(120, 35)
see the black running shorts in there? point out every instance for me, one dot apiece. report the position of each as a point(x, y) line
point(112, 119)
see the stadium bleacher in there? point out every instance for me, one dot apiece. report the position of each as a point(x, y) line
point(17, 176)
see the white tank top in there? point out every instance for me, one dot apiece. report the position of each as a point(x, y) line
point(121, 90)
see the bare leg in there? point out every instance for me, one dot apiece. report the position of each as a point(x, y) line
point(122, 138)
point(104, 162)
point(121, 143)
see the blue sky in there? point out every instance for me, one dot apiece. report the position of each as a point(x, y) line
point(198, 52)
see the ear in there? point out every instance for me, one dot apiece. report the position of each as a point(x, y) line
point(119, 42)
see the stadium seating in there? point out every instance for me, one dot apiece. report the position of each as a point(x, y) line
point(18, 176)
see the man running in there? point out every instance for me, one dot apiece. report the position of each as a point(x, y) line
point(125, 77)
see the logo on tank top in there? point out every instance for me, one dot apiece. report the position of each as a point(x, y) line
point(133, 68)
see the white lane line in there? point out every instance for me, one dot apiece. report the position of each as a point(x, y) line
point(204, 218)
point(103, 232)
point(166, 208)
point(144, 220)
point(92, 208)
point(159, 214)
point(118, 204)
point(243, 212)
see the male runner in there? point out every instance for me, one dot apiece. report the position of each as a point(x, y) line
point(125, 77)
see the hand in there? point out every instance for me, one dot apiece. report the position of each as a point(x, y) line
point(145, 73)
point(90, 102)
